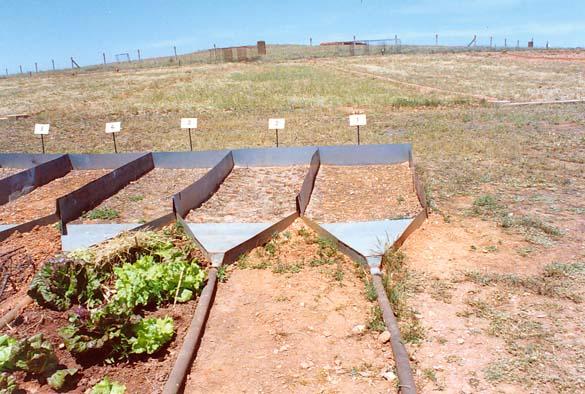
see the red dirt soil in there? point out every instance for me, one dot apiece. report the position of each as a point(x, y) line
point(41, 201)
point(272, 332)
point(37, 245)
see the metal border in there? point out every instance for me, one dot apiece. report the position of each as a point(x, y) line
point(74, 204)
point(34, 177)
point(201, 190)
point(304, 196)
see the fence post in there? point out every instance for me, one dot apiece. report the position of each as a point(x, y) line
point(505, 43)
point(53, 63)
point(175, 50)
point(436, 39)
point(20, 68)
point(491, 40)
point(36, 68)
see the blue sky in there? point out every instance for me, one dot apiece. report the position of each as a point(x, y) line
point(41, 30)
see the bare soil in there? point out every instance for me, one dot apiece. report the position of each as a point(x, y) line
point(32, 249)
point(41, 201)
point(363, 193)
point(255, 194)
point(282, 325)
point(5, 172)
point(499, 337)
point(149, 197)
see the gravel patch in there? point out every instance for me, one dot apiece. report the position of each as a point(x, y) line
point(255, 194)
point(147, 198)
point(363, 193)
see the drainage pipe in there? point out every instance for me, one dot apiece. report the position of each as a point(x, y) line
point(403, 370)
point(12, 314)
point(192, 340)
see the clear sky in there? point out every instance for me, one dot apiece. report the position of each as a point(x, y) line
point(42, 30)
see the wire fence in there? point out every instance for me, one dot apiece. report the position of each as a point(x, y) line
point(284, 52)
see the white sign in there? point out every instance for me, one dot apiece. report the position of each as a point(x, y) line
point(113, 127)
point(42, 128)
point(357, 120)
point(276, 124)
point(189, 123)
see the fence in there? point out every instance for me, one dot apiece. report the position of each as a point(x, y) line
point(282, 52)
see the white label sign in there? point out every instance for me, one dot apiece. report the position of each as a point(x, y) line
point(113, 127)
point(357, 120)
point(189, 123)
point(276, 124)
point(42, 128)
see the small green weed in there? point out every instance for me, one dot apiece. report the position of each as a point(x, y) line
point(102, 214)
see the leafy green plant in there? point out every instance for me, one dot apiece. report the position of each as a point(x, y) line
point(136, 198)
point(61, 378)
point(7, 383)
point(105, 386)
point(151, 335)
point(62, 281)
point(34, 355)
point(7, 345)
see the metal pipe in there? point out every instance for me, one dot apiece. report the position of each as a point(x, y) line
point(403, 370)
point(190, 346)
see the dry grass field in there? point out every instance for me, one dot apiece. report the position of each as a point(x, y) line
point(491, 290)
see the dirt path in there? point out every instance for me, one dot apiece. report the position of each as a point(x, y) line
point(285, 323)
point(41, 201)
point(380, 192)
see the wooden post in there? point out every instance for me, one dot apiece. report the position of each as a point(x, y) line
point(505, 43)
point(175, 50)
point(104, 57)
point(311, 41)
point(7, 72)
point(436, 39)
point(53, 63)
point(20, 68)
point(139, 59)
point(491, 40)
point(36, 68)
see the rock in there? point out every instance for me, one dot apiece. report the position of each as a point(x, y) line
point(460, 341)
point(389, 376)
point(326, 334)
point(358, 329)
point(384, 337)
point(307, 364)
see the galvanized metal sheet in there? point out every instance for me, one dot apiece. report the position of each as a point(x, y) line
point(365, 154)
point(101, 161)
point(25, 160)
point(81, 236)
point(200, 191)
point(26, 181)
point(369, 238)
point(273, 157)
point(74, 204)
point(221, 237)
point(304, 195)
point(201, 159)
